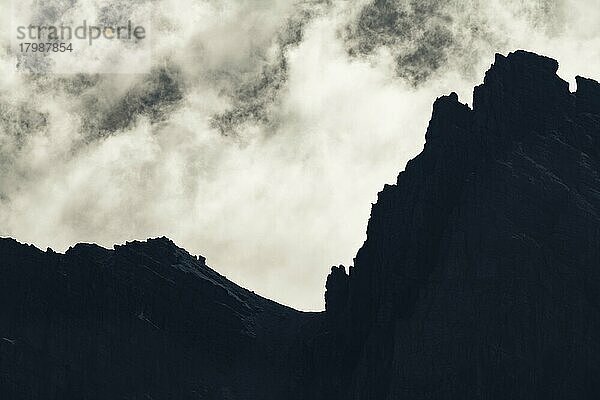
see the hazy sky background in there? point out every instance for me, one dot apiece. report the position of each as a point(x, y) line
point(265, 128)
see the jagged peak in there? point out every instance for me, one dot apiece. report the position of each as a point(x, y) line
point(10, 244)
point(449, 102)
point(526, 59)
point(87, 249)
point(161, 241)
point(447, 111)
point(451, 98)
point(160, 245)
point(521, 95)
point(587, 95)
point(587, 85)
point(522, 68)
point(336, 293)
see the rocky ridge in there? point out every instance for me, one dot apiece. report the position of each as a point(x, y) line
point(479, 278)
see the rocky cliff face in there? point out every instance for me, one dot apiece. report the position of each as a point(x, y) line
point(479, 278)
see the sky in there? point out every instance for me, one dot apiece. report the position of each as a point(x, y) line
point(256, 133)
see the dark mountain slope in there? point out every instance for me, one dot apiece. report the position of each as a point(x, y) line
point(479, 279)
point(145, 320)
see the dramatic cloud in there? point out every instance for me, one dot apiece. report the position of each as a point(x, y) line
point(423, 36)
point(262, 130)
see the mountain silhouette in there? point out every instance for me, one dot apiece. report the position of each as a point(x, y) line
point(479, 279)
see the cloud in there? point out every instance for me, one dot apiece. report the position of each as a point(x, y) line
point(423, 36)
point(255, 95)
point(263, 129)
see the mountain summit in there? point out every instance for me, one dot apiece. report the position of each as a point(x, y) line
point(479, 279)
